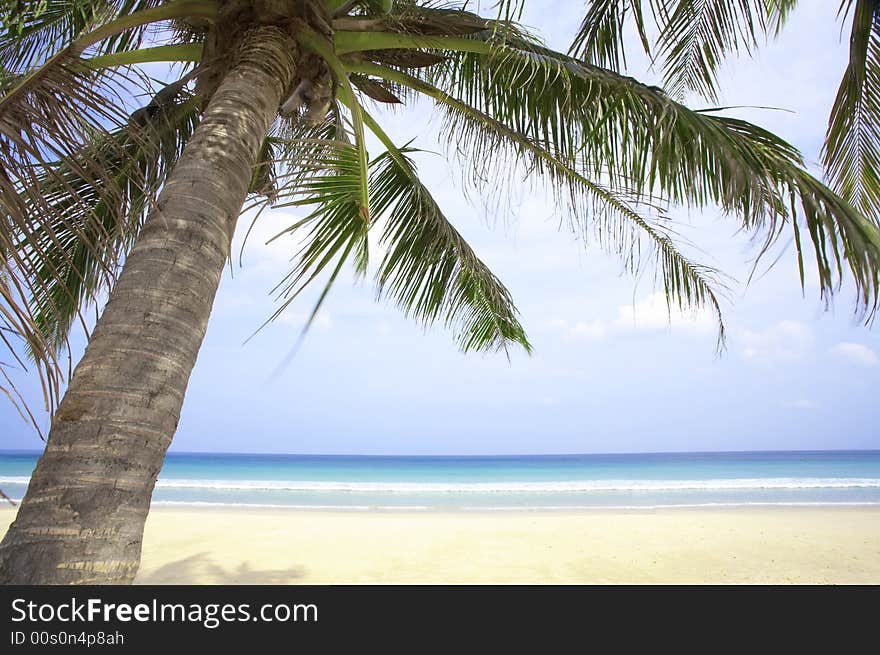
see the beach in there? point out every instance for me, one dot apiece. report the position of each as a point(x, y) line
point(778, 545)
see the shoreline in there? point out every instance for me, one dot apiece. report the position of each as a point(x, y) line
point(765, 545)
point(527, 510)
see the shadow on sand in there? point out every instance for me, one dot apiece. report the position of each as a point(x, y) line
point(201, 569)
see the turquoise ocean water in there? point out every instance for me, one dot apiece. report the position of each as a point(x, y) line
point(505, 483)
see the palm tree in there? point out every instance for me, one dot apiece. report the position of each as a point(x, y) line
point(270, 108)
point(690, 39)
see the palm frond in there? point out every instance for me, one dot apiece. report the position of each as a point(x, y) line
point(778, 13)
point(98, 206)
point(429, 269)
point(301, 145)
point(293, 152)
point(852, 143)
point(335, 228)
point(374, 89)
point(607, 126)
point(18, 335)
point(32, 31)
point(654, 146)
point(693, 37)
point(697, 35)
point(51, 115)
point(621, 221)
point(44, 120)
point(838, 232)
point(510, 10)
point(416, 19)
point(600, 39)
point(319, 45)
point(35, 31)
point(50, 112)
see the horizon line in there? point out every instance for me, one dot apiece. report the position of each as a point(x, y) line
point(494, 455)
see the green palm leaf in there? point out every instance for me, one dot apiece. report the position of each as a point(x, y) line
point(693, 36)
point(335, 229)
point(317, 44)
point(603, 124)
point(36, 30)
point(619, 219)
point(430, 270)
point(600, 39)
point(75, 178)
point(696, 36)
point(55, 111)
point(98, 205)
point(852, 143)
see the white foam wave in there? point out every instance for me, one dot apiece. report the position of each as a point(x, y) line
point(357, 508)
point(508, 486)
point(493, 508)
point(523, 487)
point(505, 508)
point(562, 508)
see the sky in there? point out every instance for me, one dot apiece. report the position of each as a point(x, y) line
point(610, 372)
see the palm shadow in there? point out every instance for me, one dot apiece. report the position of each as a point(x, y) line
point(201, 569)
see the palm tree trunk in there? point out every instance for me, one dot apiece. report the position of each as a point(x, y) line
point(82, 519)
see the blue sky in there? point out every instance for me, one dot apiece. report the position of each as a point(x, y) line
point(610, 371)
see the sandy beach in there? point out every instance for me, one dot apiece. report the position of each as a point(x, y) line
point(773, 545)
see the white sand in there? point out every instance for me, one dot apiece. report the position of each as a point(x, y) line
point(774, 545)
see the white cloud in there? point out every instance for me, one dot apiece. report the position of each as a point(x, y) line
point(588, 330)
point(652, 313)
point(647, 315)
point(856, 353)
point(787, 341)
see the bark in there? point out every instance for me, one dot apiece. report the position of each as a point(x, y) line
point(82, 518)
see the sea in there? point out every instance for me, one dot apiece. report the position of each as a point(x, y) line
point(504, 483)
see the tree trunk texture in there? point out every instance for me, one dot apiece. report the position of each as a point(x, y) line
point(82, 519)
